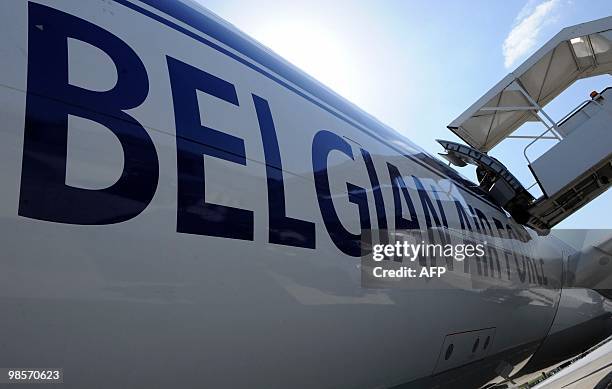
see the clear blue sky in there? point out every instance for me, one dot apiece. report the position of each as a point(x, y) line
point(416, 65)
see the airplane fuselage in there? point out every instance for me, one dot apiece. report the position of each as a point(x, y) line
point(180, 207)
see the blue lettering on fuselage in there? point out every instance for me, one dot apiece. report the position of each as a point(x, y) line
point(282, 229)
point(44, 194)
point(50, 99)
point(194, 215)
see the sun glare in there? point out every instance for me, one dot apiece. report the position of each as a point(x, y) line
point(316, 51)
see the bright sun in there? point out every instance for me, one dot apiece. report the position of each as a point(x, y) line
point(315, 50)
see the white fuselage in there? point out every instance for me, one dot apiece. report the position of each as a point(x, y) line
point(174, 212)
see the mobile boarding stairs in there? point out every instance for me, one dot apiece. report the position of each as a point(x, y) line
point(578, 168)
